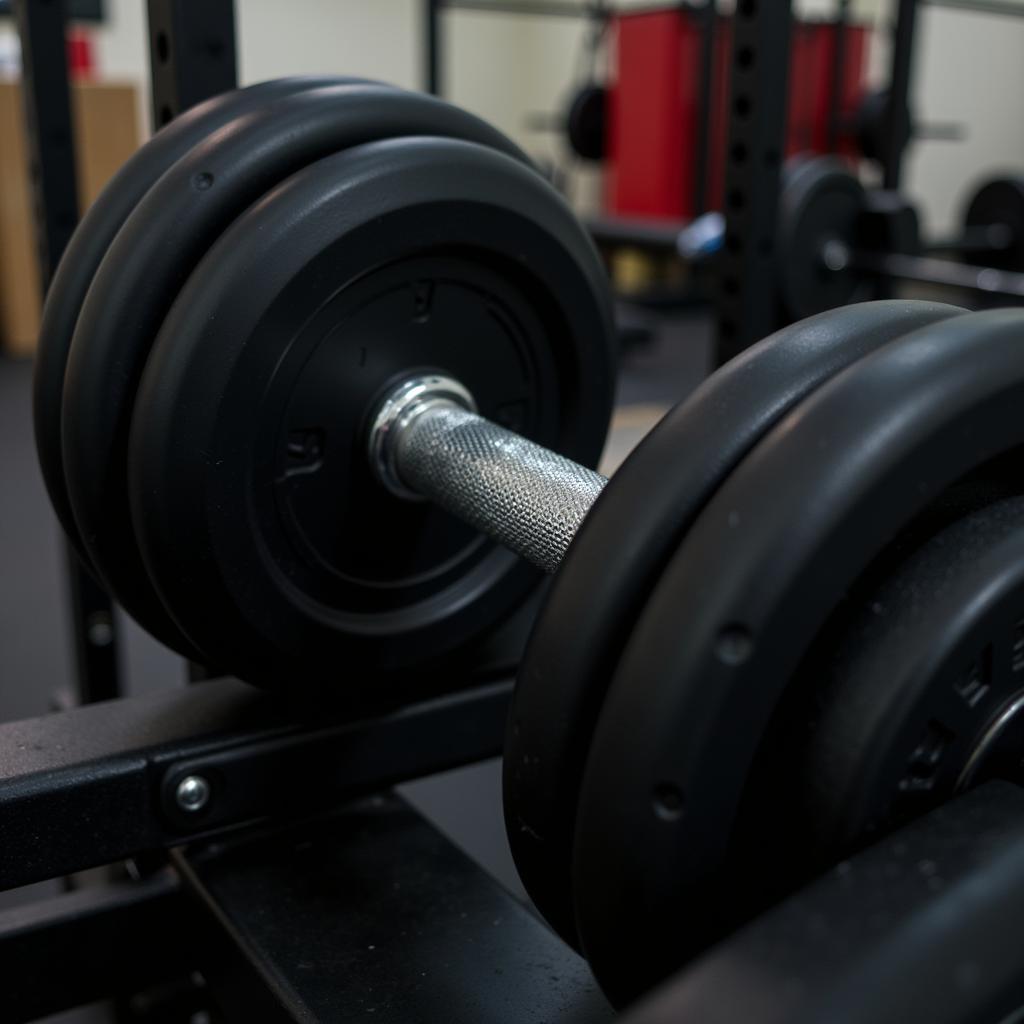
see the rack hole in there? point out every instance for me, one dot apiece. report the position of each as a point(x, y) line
point(668, 801)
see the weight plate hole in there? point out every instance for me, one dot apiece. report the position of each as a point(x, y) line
point(668, 801)
point(734, 645)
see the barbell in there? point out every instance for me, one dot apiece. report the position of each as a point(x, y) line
point(338, 339)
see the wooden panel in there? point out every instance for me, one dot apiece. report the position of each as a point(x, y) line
point(106, 134)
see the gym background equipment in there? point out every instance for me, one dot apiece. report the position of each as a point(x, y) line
point(192, 794)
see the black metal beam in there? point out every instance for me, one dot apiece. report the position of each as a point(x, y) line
point(1007, 8)
point(50, 137)
point(535, 8)
point(927, 925)
point(658, 235)
point(748, 296)
point(706, 15)
point(372, 914)
point(433, 46)
point(836, 76)
point(899, 91)
point(93, 943)
point(99, 784)
point(191, 53)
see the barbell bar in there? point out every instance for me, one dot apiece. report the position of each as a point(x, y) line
point(427, 441)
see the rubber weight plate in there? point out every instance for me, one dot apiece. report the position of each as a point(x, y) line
point(1000, 203)
point(88, 246)
point(157, 248)
point(921, 694)
point(616, 558)
point(586, 123)
point(821, 202)
point(276, 552)
point(739, 605)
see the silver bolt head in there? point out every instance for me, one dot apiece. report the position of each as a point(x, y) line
point(192, 793)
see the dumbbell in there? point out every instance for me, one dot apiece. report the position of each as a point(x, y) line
point(836, 238)
point(348, 298)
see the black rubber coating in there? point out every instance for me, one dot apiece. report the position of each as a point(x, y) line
point(925, 663)
point(158, 246)
point(742, 600)
point(821, 201)
point(229, 362)
point(89, 245)
point(890, 711)
point(616, 558)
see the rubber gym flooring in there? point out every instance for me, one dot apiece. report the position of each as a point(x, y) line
point(35, 639)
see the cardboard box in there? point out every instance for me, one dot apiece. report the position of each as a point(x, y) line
point(106, 126)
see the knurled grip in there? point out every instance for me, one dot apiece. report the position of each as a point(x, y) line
point(526, 497)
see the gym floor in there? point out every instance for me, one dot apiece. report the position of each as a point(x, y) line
point(35, 639)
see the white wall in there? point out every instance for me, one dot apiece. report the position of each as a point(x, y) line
point(969, 68)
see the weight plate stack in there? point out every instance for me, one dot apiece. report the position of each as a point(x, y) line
point(89, 245)
point(922, 693)
point(276, 551)
point(821, 203)
point(522, 314)
point(157, 247)
point(774, 552)
point(638, 521)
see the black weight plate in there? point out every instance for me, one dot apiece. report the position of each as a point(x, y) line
point(999, 202)
point(873, 127)
point(820, 202)
point(919, 669)
point(157, 248)
point(615, 559)
point(88, 246)
point(586, 121)
point(890, 711)
point(740, 603)
point(276, 552)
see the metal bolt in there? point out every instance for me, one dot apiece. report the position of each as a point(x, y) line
point(192, 793)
